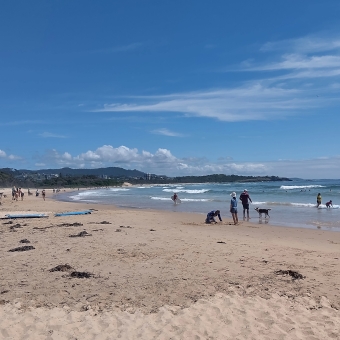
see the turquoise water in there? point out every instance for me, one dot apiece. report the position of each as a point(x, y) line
point(292, 203)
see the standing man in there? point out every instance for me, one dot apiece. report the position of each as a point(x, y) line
point(233, 207)
point(245, 198)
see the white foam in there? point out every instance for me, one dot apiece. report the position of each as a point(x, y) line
point(323, 206)
point(119, 189)
point(201, 191)
point(308, 205)
point(161, 198)
point(195, 200)
point(291, 187)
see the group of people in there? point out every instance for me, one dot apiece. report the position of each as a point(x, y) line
point(245, 199)
point(17, 193)
point(329, 204)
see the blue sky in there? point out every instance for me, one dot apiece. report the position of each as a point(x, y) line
point(172, 87)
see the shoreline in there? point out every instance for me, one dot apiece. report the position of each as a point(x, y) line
point(150, 266)
point(227, 215)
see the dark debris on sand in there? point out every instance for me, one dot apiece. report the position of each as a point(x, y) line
point(103, 222)
point(23, 248)
point(295, 275)
point(81, 234)
point(61, 268)
point(15, 226)
point(75, 224)
point(25, 240)
point(81, 275)
point(9, 222)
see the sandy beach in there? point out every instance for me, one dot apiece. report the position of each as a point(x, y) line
point(162, 275)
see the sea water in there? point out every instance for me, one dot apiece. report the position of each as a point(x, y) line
point(292, 203)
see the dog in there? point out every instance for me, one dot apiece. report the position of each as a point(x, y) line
point(263, 211)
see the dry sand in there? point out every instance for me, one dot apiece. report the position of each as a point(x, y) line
point(163, 275)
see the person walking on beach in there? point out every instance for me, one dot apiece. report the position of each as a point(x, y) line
point(43, 193)
point(211, 216)
point(245, 198)
point(318, 200)
point(233, 207)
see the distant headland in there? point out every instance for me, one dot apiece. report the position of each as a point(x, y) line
point(111, 176)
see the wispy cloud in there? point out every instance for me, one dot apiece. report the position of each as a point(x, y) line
point(251, 102)
point(22, 122)
point(122, 48)
point(166, 132)
point(307, 44)
point(287, 85)
point(51, 135)
point(296, 61)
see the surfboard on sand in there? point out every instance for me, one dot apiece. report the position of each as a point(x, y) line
point(69, 213)
point(26, 215)
point(177, 201)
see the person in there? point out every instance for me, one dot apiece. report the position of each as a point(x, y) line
point(175, 197)
point(211, 216)
point(318, 200)
point(329, 204)
point(37, 193)
point(22, 195)
point(245, 198)
point(14, 190)
point(233, 207)
point(43, 194)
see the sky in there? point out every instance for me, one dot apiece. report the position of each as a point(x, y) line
point(172, 87)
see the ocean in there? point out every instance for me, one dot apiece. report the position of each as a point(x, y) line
point(292, 203)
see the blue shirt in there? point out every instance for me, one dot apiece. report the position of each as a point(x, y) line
point(211, 215)
point(233, 202)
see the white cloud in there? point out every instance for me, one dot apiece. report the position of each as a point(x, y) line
point(162, 161)
point(4, 155)
point(166, 132)
point(51, 135)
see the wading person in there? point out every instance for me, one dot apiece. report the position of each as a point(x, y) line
point(245, 198)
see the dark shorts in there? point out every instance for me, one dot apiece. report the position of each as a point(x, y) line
point(245, 206)
point(233, 210)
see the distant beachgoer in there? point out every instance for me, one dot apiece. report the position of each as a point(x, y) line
point(175, 198)
point(233, 207)
point(14, 190)
point(37, 193)
point(245, 198)
point(318, 200)
point(329, 204)
point(22, 195)
point(43, 193)
point(211, 216)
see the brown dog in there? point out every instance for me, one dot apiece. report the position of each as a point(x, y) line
point(263, 211)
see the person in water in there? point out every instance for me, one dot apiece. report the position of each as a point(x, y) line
point(211, 216)
point(233, 207)
point(318, 200)
point(329, 204)
point(245, 198)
